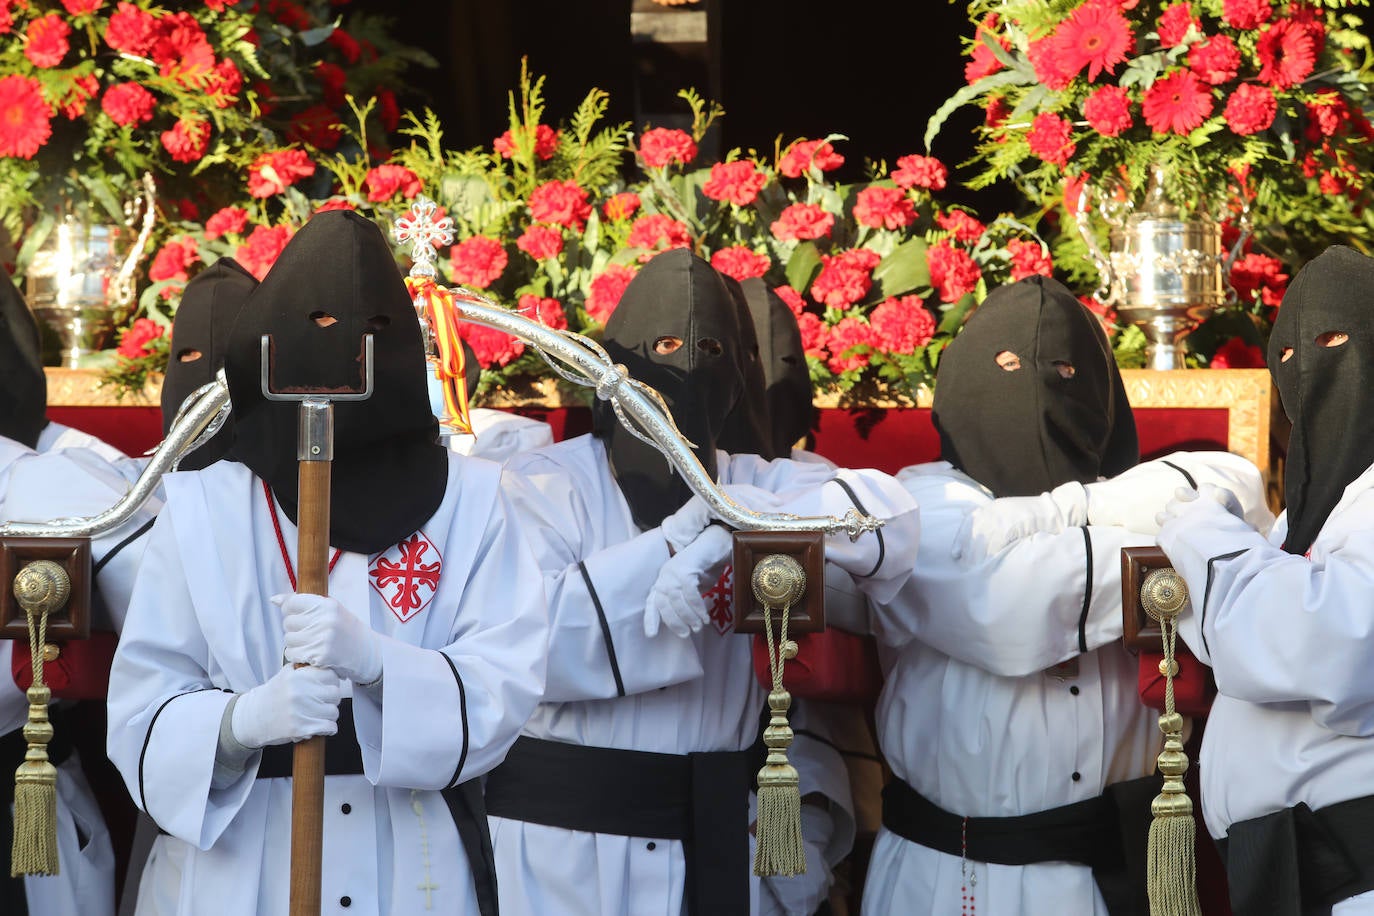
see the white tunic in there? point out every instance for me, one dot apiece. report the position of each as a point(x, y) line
point(58, 436)
point(1288, 641)
point(675, 695)
point(969, 718)
point(499, 435)
point(201, 627)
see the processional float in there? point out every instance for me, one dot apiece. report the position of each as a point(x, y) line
point(780, 555)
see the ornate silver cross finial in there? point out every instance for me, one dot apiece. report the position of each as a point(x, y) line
point(425, 235)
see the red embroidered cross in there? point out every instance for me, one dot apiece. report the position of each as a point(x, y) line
point(722, 599)
point(406, 582)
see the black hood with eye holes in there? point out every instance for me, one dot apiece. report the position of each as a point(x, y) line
point(1327, 392)
point(747, 430)
point(675, 295)
point(389, 471)
point(200, 339)
point(1027, 431)
point(787, 379)
point(23, 410)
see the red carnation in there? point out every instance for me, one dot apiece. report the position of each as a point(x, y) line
point(187, 141)
point(983, 60)
point(345, 44)
point(794, 299)
point(130, 30)
point(740, 262)
point(492, 347)
point(181, 50)
point(1237, 354)
point(386, 181)
point(846, 335)
point(82, 7)
point(605, 290)
point(173, 259)
point(656, 231)
point(738, 182)
point(902, 325)
point(134, 340)
point(1095, 36)
point(128, 104)
point(545, 143)
point(317, 126)
point(1245, 14)
point(478, 261)
point(963, 226)
point(1029, 258)
point(289, 14)
point(273, 173)
point(996, 113)
point(1051, 138)
point(46, 40)
point(25, 119)
point(802, 221)
point(845, 278)
point(1259, 278)
point(226, 221)
point(548, 312)
point(805, 155)
point(1051, 64)
point(1250, 109)
point(1108, 111)
point(662, 146)
point(561, 202)
point(219, 5)
point(335, 203)
point(1326, 115)
point(1287, 53)
point(921, 172)
point(1179, 102)
point(540, 242)
point(1175, 23)
point(884, 208)
point(83, 89)
point(6, 17)
point(1216, 60)
point(388, 111)
point(333, 81)
point(224, 83)
point(812, 334)
point(621, 206)
point(953, 272)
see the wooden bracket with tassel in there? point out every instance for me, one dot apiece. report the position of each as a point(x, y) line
point(1171, 864)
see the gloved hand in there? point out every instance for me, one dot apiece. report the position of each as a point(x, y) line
point(680, 528)
point(1187, 501)
point(1232, 473)
point(993, 526)
point(1133, 498)
point(322, 632)
point(294, 704)
point(676, 597)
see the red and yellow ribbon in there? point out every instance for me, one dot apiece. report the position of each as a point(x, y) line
point(439, 310)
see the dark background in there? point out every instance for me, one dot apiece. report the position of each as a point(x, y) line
point(874, 70)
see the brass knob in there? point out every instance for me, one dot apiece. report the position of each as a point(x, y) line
point(779, 581)
point(1163, 594)
point(42, 587)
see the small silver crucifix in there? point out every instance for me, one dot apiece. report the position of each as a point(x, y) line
point(425, 235)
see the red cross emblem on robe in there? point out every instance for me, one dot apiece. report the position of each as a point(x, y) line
point(407, 575)
point(720, 598)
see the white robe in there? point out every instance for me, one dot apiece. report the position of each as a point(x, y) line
point(675, 695)
point(72, 480)
point(57, 436)
point(201, 627)
point(1288, 640)
point(499, 435)
point(969, 718)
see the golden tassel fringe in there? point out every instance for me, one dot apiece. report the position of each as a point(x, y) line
point(40, 587)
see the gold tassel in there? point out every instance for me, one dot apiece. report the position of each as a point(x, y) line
point(40, 587)
point(1171, 863)
point(778, 580)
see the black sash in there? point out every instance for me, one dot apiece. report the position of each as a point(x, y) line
point(12, 750)
point(702, 800)
point(1108, 834)
point(1300, 862)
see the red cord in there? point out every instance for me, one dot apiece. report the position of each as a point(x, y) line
point(281, 541)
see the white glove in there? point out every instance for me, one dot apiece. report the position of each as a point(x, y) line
point(294, 704)
point(676, 597)
point(992, 527)
point(680, 528)
point(1133, 498)
point(1187, 501)
point(323, 633)
point(1233, 473)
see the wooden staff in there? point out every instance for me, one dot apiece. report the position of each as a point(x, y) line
point(314, 452)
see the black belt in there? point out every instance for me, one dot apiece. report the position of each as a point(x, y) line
point(1108, 834)
point(13, 747)
point(1300, 862)
point(701, 800)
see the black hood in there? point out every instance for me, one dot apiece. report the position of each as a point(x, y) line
point(1027, 431)
point(747, 430)
point(23, 411)
point(677, 296)
point(335, 283)
point(1327, 391)
point(200, 340)
point(789, 401)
